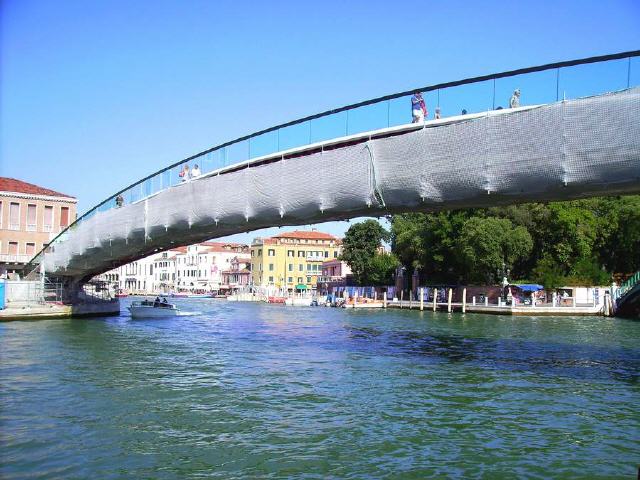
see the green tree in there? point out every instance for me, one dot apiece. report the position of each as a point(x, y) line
point(360, 246)
point(428, 241)
point(619, 246)
point(548, 273)
point(587, 271)
point(381, 269)
point(578, 240)
point(485, 244)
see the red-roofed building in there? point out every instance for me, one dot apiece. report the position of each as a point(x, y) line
point(292, 260)
point(30, 217)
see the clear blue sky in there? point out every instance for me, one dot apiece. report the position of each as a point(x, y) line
point(95, 95)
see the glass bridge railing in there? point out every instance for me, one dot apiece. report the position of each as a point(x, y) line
point(538, 85)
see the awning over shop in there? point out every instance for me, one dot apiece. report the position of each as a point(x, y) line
point(301, 286)
point(529, 287)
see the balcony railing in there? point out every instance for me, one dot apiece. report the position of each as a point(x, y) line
point(14, 258)
point(330, 278)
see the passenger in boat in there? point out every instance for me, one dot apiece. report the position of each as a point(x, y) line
point(515, 99)
point(164, 304)
point(156, 302)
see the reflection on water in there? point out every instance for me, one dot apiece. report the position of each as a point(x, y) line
point(253, 391)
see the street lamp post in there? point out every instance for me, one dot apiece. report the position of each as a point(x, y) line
point(503, 273)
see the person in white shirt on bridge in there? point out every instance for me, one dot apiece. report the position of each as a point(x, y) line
point(515, 99)
point(195, 171)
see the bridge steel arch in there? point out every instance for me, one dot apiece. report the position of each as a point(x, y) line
point(555, 151)
point(564, 150)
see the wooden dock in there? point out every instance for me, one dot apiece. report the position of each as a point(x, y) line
point(496, 309)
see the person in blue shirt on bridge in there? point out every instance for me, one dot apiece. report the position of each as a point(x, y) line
point(418, 108)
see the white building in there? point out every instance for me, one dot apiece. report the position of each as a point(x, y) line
point(196, 268)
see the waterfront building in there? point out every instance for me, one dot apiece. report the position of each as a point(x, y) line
point(201, 267)
point(292, 260)
point(335, 273)
point(238, 275)
point(30, 217)
point(194, 268)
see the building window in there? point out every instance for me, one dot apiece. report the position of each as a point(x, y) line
point(308, 279)
point(301, 267)
point(47, 224)
point(13, 248)
point(30, 249)
point(31, 218)
point(299, 279)
point(271, 267)
point(259, 252)
point(0, 214)
point(270, 279)
point(326, 254)
point(290, 280)
point(271, 252)
point(290, 253)
point(14, 216)
point(335, 254)
point(64, 217)
point(300, 253)
point(308, 267)
point(291, 267)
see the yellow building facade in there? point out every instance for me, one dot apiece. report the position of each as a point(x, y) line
point(291, 259)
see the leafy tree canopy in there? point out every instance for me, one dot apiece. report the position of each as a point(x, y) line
point(582, 241)
point(360, 251)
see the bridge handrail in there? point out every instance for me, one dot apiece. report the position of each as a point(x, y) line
point(627, 285)
point(109, 203)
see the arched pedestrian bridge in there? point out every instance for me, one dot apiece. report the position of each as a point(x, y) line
point(577, 136)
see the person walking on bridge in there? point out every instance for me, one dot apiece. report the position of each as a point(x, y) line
point(184, 173)
point(515, 99)
point(418, 108)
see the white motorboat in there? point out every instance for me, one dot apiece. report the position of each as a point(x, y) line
point(149, 309)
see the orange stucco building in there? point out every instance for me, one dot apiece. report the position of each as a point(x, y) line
point(30, 217)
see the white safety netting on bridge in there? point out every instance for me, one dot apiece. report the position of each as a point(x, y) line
point(558, 151)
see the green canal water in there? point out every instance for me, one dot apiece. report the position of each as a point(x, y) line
point(266, 391)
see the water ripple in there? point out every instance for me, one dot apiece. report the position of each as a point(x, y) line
point(261, 391)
